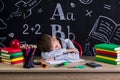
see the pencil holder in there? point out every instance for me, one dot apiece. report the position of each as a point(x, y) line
point(28, 62)
point(28, 51)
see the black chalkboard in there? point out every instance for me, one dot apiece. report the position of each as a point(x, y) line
point(86, 21)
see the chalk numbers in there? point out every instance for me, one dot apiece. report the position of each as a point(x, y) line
point(35, 29)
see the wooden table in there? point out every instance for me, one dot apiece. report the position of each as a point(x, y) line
point(17, 72)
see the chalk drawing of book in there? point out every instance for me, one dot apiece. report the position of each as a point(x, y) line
point(106, 30)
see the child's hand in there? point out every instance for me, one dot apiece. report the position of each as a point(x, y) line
point(75, 50)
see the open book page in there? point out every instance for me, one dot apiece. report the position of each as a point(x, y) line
point(103, 29)
point(115, 37)
point(61, 61)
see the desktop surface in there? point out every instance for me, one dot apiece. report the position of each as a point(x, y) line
point(69, 72)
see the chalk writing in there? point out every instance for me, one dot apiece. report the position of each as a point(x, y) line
point(1, 5)
point(3, 25)
point(106, 6)
point(86, 1)
point(58, 12)
point(106, 30)
point(89, 13)
point(1, 41)
point(24, 8)
point(35, 29)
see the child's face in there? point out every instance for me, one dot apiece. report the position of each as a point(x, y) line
point(55, 44)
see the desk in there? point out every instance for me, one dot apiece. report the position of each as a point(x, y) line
point(16, 72)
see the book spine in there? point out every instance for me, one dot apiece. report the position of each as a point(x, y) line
point(10, 50)
point(107, 61)
point(109, 58)
point(6, 55)
point(4, 51)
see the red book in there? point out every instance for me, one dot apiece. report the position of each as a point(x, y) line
point(108, 53)
point(10, 50)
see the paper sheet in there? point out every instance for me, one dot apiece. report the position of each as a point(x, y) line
point(61, 61)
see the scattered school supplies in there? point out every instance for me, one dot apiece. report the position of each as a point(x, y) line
point(94, 65)
point(79, 67)
point(62, 64)
point(108, 53)
point(42, 64)
point(61, 61)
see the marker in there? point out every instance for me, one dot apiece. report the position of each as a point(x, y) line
point(42, 64)
point(62, 64)
point(80, 67)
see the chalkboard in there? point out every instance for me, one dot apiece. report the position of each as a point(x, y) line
point(86, 21)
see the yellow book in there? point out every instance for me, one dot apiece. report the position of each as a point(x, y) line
point(108, 50)
point(12, 60)
point(15, 59)
point(109, 58)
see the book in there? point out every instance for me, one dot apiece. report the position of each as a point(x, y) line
point(107, 61)
point(105, 46)
point(109, 58)
point(106, 52)
point(11, 56)
point(106, 30)
point(10, 50)
point(12, 60)
point(6, 57)
point(107, 55)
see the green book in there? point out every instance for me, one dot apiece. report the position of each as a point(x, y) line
point(14, 55)
point(107, 61)
point(106, 46)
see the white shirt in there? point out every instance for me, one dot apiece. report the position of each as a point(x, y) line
point(61, 53)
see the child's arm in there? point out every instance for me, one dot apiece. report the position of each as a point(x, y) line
point(72, 50)
point(70, 46)
point(52, 54)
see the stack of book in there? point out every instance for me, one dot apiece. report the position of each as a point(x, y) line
point(11, 55)
point(108, 53)
point(0, 55)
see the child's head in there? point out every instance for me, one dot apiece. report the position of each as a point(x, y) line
point(47, 43)
point(55, 44)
